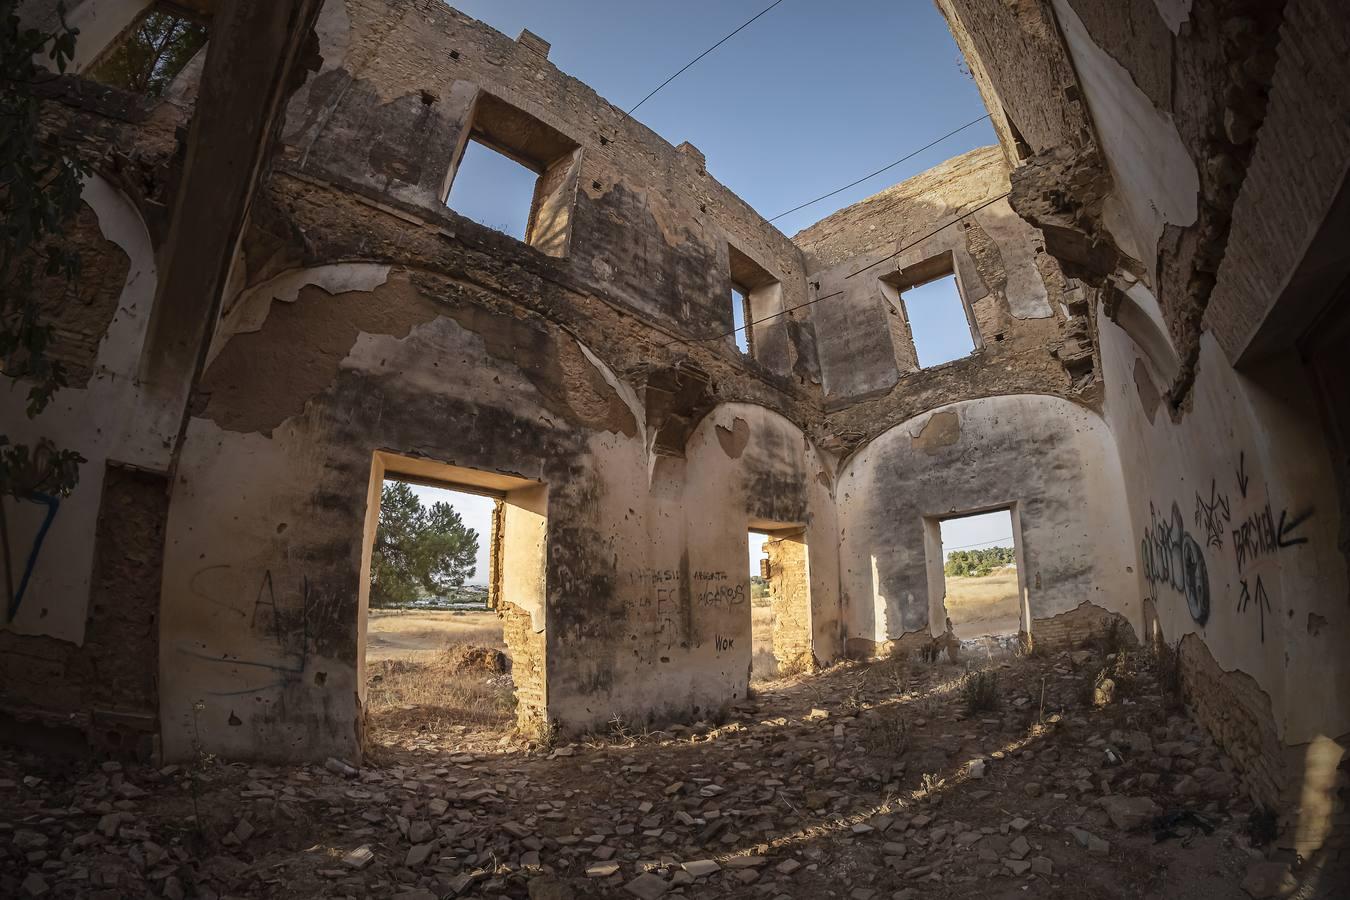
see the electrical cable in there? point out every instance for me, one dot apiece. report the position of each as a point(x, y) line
point(980, 544)
point(890, 256)
point(884, 168)
point(629, 114)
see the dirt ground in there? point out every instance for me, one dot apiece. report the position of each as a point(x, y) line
point(983, 605)
point(865, 782)
point(408, 633)
point(437, 675)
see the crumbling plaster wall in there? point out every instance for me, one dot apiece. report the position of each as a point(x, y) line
point(260, 626)
point(1236, 534)
point(670, 636)
point(1030, 340)
point(1050, 460)
point(105, 414)
point(1203, 117)
point(388, 114)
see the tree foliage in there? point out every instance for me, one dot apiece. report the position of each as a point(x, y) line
point(419, 552)
point(40, 188)
point(978, 562)
point(147, 60)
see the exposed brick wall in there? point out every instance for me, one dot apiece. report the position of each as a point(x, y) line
point(80, 310)
point(1084, 622)
point(790, 597)
point(526, 649)
point(106, 689)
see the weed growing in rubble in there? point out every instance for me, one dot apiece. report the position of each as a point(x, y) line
point(801, 664)
point(544, 735)
point(1167, 667)
point(886, 732)
point(1263, 826)
point(1028, 648)
point(855, 699)
point(979, 691)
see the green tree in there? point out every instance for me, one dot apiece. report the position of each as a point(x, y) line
point(418, 552)
point(978, 563)
point(147, 60)
point(40, 185)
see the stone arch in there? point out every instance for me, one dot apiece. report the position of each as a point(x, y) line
point(1052, 460)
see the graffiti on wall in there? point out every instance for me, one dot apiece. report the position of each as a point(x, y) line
point(1212, 515)
point(1258, 598)
point(1173, 559)
point(17, 592)
point(286, 619)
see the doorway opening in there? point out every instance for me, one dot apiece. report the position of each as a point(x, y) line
point(979, 577)
point(780, 601)
point(452, 586)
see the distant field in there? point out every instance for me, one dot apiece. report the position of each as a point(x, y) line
point(411, 634)
point(984, 605)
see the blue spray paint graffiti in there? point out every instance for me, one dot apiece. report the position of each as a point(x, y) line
point(53, 504)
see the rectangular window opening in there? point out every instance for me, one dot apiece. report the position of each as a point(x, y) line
point(938, 321)
point(516, 175)
point(980, 581)
point(494, 190)
point(740, 307)
point(152, 51)
point(940, 324)
point(755, 297)
point(780, 601)
point(454, 567)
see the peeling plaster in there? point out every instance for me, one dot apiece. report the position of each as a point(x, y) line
point(1174, 12)
point(250, 310)
point(1156, 181)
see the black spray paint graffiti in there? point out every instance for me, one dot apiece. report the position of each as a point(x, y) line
point(288, 626)
point(1213, 516)
point(1261, 600)
point(1258, 534)
point(1173, 558)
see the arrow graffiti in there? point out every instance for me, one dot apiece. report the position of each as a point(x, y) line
point(1259, 598)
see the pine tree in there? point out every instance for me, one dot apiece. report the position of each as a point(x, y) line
point(418, 552)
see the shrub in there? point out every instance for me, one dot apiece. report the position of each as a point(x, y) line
point(886, 732)
point(979, 691)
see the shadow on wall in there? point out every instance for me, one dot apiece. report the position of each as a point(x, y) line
point(1051, 461)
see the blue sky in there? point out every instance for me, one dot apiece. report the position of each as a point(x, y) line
point(809, 97)
point(977, 532)
point(937, 321)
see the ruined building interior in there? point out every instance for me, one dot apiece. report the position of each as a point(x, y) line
point(277, 310)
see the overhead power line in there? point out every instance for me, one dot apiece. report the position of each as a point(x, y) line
point(884, 168)
point(690, 64)
point(1006, 537)
point(889, 256)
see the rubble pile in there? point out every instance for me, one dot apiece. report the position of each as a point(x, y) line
point(864, 782)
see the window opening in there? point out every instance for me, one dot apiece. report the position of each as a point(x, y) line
point(980, 578)
point(755, 294)
point(151, 52)
point(493, 190)
point(516, 175)
point(938, 322)
point(740, 300)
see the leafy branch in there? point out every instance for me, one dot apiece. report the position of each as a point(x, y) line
point(40, 190)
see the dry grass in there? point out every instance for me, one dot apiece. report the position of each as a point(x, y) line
point(416, 677)
point(409, 634)
point(435, 692)
point(983, 605)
